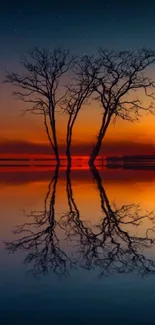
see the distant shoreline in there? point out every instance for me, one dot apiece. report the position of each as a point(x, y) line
point(107, 158)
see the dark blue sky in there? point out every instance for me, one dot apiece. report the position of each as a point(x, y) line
point(80, 25)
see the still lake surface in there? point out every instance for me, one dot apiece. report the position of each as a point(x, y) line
point(77, 247)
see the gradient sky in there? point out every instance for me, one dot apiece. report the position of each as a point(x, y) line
point(82, 26)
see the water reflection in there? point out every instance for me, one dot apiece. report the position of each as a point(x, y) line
point(113, 245)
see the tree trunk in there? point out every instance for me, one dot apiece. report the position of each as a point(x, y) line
point(95, 150)
point(56, 151)
point(68, 147)
point(69, 140)
point(97, 146)
point(57, 155)
point(68, 154)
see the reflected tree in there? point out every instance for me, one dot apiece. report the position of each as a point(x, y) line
point(41, 238)
point(120, 250)
point(113, 245)
point(75, 228)
point(110, 245)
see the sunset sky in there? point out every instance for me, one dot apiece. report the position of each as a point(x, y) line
point(81, 26)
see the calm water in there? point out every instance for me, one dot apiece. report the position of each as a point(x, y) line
point(77, 247)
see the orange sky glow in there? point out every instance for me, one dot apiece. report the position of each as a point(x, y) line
point(21, 135)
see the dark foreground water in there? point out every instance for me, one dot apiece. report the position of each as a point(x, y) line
point(77, 247)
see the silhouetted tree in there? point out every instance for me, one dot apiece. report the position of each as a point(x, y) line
point(41, 85)
point(78, 92)
point(120, 77)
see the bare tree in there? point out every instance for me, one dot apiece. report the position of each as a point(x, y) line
point(121, 77)
point(41, 85)
point(79, 91)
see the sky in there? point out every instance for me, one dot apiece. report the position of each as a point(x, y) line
point(81, 26)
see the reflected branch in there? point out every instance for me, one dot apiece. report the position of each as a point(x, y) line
point(71, 221)
point(123, 251)
point(43, 246)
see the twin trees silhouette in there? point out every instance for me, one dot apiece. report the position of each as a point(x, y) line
point(65, 243)
point(52, 82)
